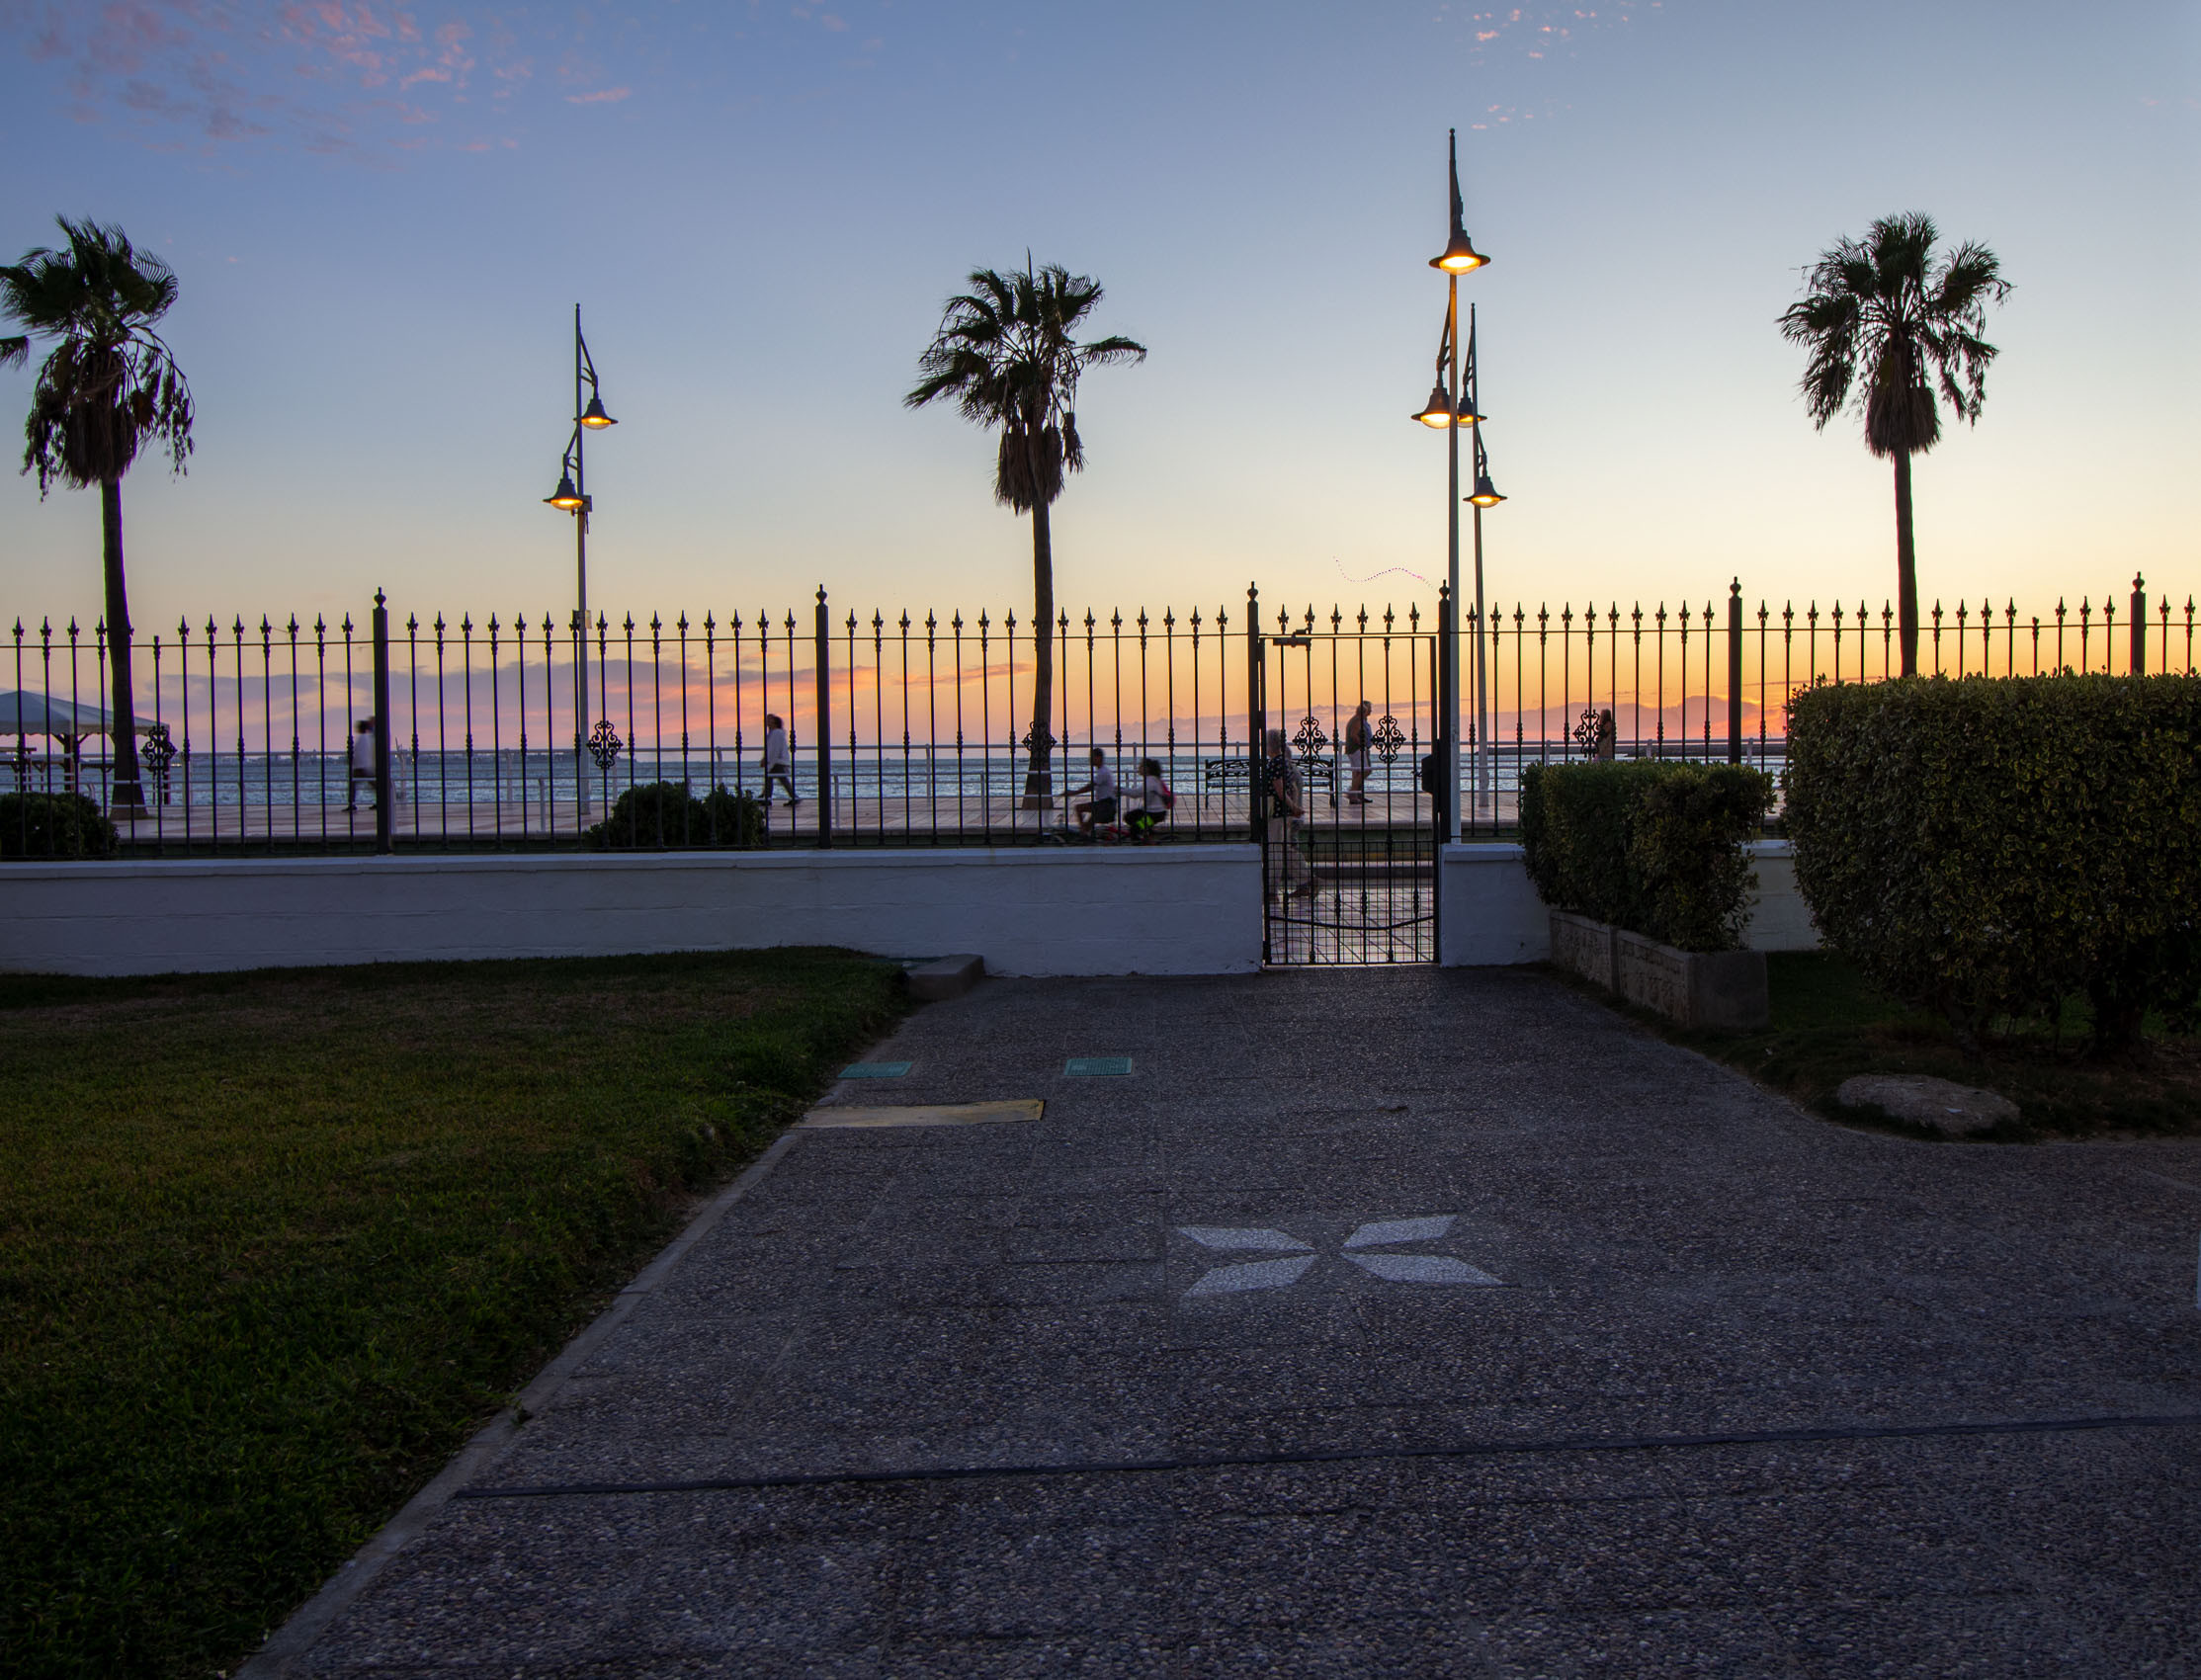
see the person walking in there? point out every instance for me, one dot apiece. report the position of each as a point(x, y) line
point(1101, 808)
point(1357, 734)
point(779, 761)
point(363, 763)
point(1289, 872)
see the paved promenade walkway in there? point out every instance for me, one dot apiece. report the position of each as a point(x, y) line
point(1412, 1323)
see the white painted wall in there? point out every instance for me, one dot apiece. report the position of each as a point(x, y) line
point(1161, 910)
point(1491, 915)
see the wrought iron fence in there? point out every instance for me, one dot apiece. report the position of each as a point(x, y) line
point(1712, 682)
point(897, 730)
point(916, 730)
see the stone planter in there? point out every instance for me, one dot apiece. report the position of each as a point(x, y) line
point(1586, 946)
point(1722, 991)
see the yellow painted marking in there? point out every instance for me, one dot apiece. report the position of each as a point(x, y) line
point(928, 1114)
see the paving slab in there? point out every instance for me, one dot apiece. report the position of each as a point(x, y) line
point(1563, 1351)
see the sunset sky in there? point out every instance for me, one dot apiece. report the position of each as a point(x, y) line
point(383, 217)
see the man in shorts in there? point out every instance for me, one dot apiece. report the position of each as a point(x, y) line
point(1100, 810)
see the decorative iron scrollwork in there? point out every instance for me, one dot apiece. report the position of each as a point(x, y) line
point(159, 751)
point(604, 745)
point(1586, 731)
point(1309, 740)
point(1388, 738)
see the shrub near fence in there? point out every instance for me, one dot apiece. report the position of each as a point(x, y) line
point(53, 825)
point(1994, 846)
point(665, 815)
point(1653, 848)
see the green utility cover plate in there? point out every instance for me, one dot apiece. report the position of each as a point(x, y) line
point(927, 1113)
point(875, 1069)
point(1097, 1066)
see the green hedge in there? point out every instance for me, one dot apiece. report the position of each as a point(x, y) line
point(53, 825)
point(1655, 848)
point(1993, 846)
point(658, 814)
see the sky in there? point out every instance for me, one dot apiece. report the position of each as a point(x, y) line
point(383, 217)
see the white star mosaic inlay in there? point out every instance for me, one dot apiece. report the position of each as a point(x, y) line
point(1291, 1267)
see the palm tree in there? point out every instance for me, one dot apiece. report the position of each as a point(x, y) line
point(109, 388)
point(1893, 320)
point(1005, 353)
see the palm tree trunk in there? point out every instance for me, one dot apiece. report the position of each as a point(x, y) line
point(1906, 570)
point(1039, 783)
point(125, 792)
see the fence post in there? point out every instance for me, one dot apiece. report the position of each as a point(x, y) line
point(1256, 714)
point(383, 827)
point(825, 727)
point(2139, 625)
point(1734, 672)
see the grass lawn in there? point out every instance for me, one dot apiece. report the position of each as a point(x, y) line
point(1830, 1023)
point(273, 1245)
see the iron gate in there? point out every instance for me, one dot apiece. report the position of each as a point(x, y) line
point(1342, 719)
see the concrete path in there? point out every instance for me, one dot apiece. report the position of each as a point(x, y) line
point(1413, 1324)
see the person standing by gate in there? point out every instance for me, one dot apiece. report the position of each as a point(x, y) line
point(1287, 871)
point(1356, 752)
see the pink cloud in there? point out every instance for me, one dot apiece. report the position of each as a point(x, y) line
point(310, 73)
point(603, 96)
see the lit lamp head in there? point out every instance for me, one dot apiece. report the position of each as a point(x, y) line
point(1438, 414)
point(1485, 494)
point(594, 417)
point(1459, 254)
point(1468, 415)
point(566, 498)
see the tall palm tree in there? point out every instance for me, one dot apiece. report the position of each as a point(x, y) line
point(1006, 353)
point(1891, 320)
point(109, 388)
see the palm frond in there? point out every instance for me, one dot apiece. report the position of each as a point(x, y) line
point(1005, 353)
point(110, 384)
point(1886, 327)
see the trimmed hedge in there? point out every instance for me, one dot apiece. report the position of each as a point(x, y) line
point(1652, 847)
point(53, 825)
point(1992, 846)
point(662, 814)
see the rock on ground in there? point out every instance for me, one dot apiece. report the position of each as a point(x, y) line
point(1953, 1109)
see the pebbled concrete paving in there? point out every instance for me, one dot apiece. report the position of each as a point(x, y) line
point(945, 1402)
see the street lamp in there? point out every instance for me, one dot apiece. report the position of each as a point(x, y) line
point(571, 496)
point(1483, 495)
point(1450, 409)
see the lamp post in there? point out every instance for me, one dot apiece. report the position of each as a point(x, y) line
point(571, 496)
point(1483, 495)
point(1445, 412)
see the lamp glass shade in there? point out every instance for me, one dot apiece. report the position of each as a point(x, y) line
point(564, 497)
point(593, 415)
point(1485, 494)
point(1459, 254)
point(1468, 415)
point(1438, 414)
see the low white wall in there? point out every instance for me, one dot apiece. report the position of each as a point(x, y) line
point(1161, 910)
point(1490, 915)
